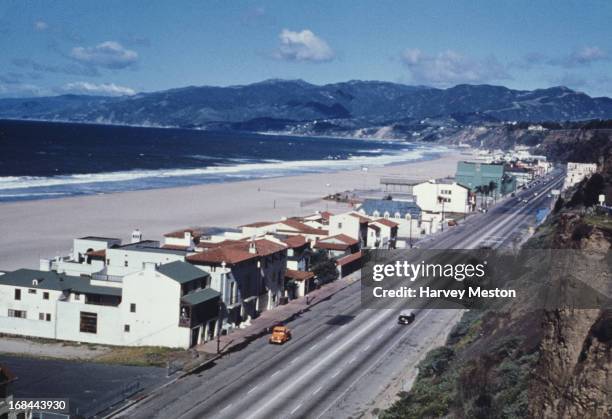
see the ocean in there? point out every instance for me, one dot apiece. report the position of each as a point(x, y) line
point(42, 160)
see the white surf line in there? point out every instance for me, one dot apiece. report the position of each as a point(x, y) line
point(366, 348)
point(372, 365)
point(225, 408)
point(336, 373)
point(277, 372)
point(317, 390)
point(313, 347)
point(353, 359)
point(317, 365)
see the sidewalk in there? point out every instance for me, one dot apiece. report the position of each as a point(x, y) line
point(239, 338)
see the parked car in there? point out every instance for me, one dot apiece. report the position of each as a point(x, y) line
point(280, 335)
point(406, 317)
point(452, 223)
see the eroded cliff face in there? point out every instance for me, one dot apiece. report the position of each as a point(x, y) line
point(573, 375)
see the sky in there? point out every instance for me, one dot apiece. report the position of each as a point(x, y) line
point(126, 47)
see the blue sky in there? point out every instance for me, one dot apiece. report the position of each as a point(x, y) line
point(124, 47)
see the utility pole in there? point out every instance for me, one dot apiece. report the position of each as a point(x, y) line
point(220, 315)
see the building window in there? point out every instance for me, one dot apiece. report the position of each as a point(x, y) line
point(125, 263)
point(41, 316)
point(21, 314)
point(339, 225)
point(133, 308)
point(48, 317)
point(31, 291)
point(108, 261)
point(77, 296)
point(45, 295)
point(17, 294)
point(89, 322)
point(126, 327)
point(232, 293)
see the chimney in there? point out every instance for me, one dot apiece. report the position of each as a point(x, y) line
point(252, 247)
point(136, 236)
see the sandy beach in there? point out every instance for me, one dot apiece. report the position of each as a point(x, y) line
point(45, 228)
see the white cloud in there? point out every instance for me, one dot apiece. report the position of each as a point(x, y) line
point(303, 46)
point(449, 68)
point(109, 54)
point(586, 55)
point(105, 89)
point(41, 25)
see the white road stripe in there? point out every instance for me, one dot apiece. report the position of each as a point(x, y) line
point(295, 409)
point(251, 390)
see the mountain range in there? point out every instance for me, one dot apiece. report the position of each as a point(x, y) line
point(275, 104)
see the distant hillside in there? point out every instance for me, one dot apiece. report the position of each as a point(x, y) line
point(286, 104)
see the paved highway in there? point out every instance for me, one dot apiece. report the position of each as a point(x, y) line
point(341, 357)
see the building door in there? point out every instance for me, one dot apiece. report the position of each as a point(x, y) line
point(195, 335)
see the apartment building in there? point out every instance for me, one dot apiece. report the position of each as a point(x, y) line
point(167, 305)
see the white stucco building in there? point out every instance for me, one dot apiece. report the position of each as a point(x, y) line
point(578, 171)
point(167, 305)
point(442, 195)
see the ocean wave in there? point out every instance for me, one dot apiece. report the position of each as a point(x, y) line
point(265, 168)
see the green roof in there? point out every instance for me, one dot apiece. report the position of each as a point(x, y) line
point(50, 280)
point(182, 272)
point(201, 296)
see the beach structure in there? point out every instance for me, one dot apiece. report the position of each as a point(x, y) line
point(248, 273)
point(576, 172)
point(406, 214)
point(442, 195)
point(474, 175)
point(169, 305)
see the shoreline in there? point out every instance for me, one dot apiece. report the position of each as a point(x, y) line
point(34, 229)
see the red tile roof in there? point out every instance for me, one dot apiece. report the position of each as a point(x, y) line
point(302, 228)
point(298, 275)
point(234, 251)
point(348, 259)
point(386, 222)
point(295, 241)
point(259, 224)
point(174, 247)
point(326, 214)
point(343, 237)
point(97, 253)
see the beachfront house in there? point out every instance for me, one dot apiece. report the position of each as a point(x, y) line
point(442, 195)
point(406, 214)
point(168, 305)
point(249, 274)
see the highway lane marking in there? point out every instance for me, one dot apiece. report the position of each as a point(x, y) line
point(253, 389)
point(317, 390)
point(295, 409)
point(376, 362)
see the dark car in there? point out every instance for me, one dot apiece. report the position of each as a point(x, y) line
point(406, 317)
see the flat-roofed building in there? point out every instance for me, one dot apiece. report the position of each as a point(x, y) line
point(169, 305)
